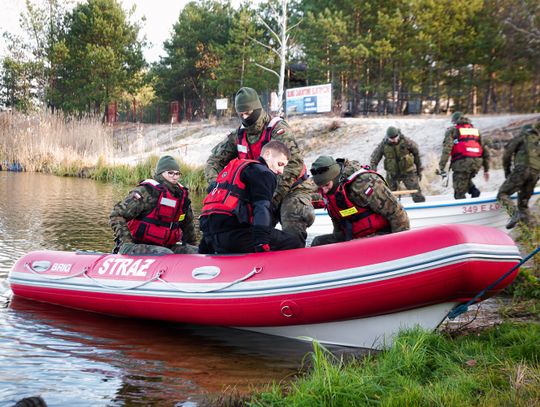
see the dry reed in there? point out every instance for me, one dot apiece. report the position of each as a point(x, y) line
point(45, 141)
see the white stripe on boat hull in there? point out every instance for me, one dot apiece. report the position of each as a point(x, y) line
point(290, 285)
point(373, 332)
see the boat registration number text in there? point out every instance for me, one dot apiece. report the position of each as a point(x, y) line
point(481, 208)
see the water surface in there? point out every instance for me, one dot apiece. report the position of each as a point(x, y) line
point(76, 358)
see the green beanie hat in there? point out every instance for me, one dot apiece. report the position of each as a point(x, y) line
point(247, 99)
point(456, 116)
point(325, 169)
point(392, 132)
point(166, 163)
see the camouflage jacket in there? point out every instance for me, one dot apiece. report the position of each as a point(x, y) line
point(226, 150)
point(402, 158)
point(448, 144)
point(141, 201)
point(370, 191)
point(524, 149)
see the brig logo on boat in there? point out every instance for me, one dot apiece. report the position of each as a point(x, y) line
point(125, 267)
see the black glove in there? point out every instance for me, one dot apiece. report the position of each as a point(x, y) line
point(442, 173)
point(507, 172)
point(211, 187)
point(262, 248)
point(275, 211)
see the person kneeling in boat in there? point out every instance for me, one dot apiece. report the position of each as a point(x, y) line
point(236, 215)
point(156, 217)
point(358, 201)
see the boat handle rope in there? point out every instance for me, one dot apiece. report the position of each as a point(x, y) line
point(460, 309)
point(30, 269)
point(157, 276)
point(256, 270)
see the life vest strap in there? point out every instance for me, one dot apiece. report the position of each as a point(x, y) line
point(170, 225)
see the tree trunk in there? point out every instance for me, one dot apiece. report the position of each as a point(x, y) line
point(283, 54)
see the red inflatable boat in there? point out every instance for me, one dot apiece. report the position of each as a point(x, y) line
point(358, 293)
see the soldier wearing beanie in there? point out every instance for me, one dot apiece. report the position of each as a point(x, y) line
point(358, 201)
point(156, 216)
point(401, 162)
point(468, 153)
point(291, 204)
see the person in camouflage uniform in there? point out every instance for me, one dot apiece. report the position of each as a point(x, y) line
point(292, 199)
point(135, 213)
point(401, 162)
point(464, 168)
point(365, 205)
point(524, 150)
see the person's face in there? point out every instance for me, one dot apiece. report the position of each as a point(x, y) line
point(327, 187)
point(393, 140)
point(245, 115)
point(276, 161)
point(171, 176)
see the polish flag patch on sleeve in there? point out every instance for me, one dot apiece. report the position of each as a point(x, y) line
point(368, 191)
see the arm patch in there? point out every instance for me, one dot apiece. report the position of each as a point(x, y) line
point(368, 191)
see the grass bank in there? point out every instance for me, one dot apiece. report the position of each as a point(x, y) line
point(79, 147)
point(496, 367)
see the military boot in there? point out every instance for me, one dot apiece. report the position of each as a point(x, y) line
point(475, 192)
point(513, 220)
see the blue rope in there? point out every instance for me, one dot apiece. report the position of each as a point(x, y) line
point(460, 309)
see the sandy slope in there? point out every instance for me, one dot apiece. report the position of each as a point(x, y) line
point(353, 138)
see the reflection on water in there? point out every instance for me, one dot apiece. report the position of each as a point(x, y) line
point(77, 358)
point(59, 213)
point(69, 356)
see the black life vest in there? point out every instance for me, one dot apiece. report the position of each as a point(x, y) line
point(466, 143)
point(355, 221)
point(162, 225)
point(229, 197)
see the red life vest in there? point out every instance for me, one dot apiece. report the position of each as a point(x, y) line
point(355, 221)
point(162, 225)
point(253, 151)
point(467, 143)
point(229, 197)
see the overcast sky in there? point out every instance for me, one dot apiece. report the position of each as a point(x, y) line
point(160, 17)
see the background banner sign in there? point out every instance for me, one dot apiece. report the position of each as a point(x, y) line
point(221, 104)
point(309, 99)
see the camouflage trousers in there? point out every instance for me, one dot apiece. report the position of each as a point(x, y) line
point(139, 248)
point(329, 238)
point(296, 211)
point(337, 237)
point(521, 180)
point(411, 181)
point(463, 172)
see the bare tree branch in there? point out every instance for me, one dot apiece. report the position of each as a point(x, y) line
point(268, 47)
point(271, 31)
point(267, 69)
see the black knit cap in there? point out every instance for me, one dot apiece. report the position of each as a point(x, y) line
point(166, 163)
point(247, 99)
